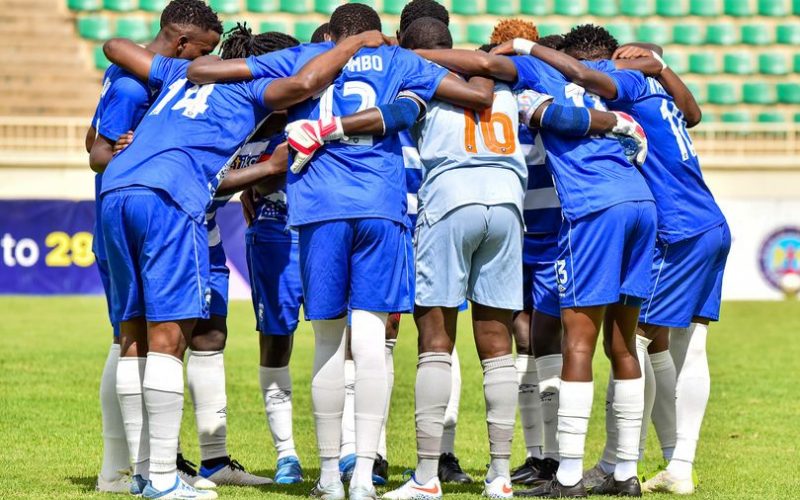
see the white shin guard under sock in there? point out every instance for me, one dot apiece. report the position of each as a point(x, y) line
point(327, 391)
point(115, 446)
point(664, 406)
point(451, 412)
point(549, 371)
point(389, 354)
point(163, 398)
point(276, 389)
point(349, 413)
point(130, 376)
point(530, 404)
point(574, 410)
point(205, 374)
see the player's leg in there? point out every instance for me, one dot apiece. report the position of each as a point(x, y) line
point(528, 399)
point(347, 451)
point(664, 377)
point(450, 470)
point(380, 472)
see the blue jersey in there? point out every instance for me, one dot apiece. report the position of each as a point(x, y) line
point(123, 102)
point(542, 210)
point(591, 173)
point(187, 137)
point(360, 177)
point(684, 203)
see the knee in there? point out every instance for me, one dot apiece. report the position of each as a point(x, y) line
point(276, 351)
point(212, 340)
point(173, 345)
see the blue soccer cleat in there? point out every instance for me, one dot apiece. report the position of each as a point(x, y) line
point(137, 485)
point(347, 465)
point(289, 471)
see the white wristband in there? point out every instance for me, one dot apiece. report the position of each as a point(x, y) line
point(522, 46)
point(659, 59)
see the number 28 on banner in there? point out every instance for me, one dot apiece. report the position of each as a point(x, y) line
point(65, 250)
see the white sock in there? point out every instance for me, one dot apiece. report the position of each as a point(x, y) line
point(628, 409)
point(500, 391)
point(389, 352)
point(664, 405)
point(163, 398)
point(549, 370)
point(205, 374)
point(349, 415)
point(530, 404)
point(609, 458)
point(115, 447)
point(574, 410)
point(692, 390)
point(367, 344)
point(453, 403)
point(327, 393)
point(276, 389)
point(130, 375)
point(431, 394)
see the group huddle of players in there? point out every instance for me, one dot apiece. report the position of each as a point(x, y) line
point(549, 183)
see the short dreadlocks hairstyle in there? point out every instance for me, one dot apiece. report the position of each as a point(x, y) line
point(417, 9)
point(509, 29)
point(319, 33)
point(590, 42)
point(191, 12)
point(353, 18)
point(240, 42)
point(555, 42)
point(427, 33)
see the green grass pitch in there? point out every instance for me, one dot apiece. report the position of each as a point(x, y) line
point(53, 349)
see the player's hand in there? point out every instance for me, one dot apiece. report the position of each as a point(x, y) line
point(632, 138)
point(504, 49)
point(631, 52)
point(122, 142)
point(249, 200)
point(305, 137)
point(280, 158)
point(375, 38)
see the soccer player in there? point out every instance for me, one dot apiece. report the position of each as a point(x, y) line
point(604, 198)
point(693, 235)
point(188, 28)
point(159, 270)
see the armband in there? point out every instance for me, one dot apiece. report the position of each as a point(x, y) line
point(567, 120)
point(399, 115)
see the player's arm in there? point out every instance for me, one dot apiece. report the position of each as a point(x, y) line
point(91, 133)
point(473, 63)
point(129, 56)
point(684, 99)
point(101, 153)
point(213, 69)
point(319, 72)
point(243, 178)
point(477, 93)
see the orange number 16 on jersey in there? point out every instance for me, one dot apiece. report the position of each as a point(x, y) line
point(488, 120)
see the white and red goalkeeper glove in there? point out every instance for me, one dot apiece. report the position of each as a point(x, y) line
point(305, 137)
point(632, 138)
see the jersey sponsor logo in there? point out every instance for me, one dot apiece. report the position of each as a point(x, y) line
point(779, 259)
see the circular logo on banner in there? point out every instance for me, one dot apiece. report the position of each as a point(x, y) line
point(779, 259)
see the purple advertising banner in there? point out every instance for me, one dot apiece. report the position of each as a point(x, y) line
point(46, 247)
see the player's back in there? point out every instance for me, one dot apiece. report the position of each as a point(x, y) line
point(542, 212)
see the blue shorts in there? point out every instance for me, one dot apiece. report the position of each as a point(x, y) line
point(606, 257)
point(273, 262)
point(218, 279)
point(105, 278)
point(687, 278)
point(362, 263)
point(539, 256)
point(157, 255)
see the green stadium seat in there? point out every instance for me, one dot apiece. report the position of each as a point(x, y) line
point(501, 7)
point(85, 5)
point(603, 8)
point(738, 8)
point(637, 8)
point(756, 34)
point(101, 62)
point(120, 5)
point(479, 33)
point(623, 32)
point(394, 7)
point(671, 8)
point(722, 93)
point(547, 29)
point(796, 7)
point(295, 6)
point(389, 28)
point(155, 26)
point(772, 8)
point(705, 8)
point(758, 93)
point(153, 5)
point(466, 7)
point(229, 24)
point(135, 28)
point(263, 6)
point(678, 61)
point(797, 117)
point(736, 117)
point(698, 91)
point(304, 29)
point(534, 7)
point(788, 34)
point(771, 117)
point(370, 3)
point(279, 26)
point(739, 63)
point(704, 63)
point(95, 27)
point(657, 33)
point(710, 118)
point(688, 34)
point(326, 6)
point(570, 7)
point(225, 6)
point(721, 34)
point(773, 63)
point(789, 93)
point(458, 32)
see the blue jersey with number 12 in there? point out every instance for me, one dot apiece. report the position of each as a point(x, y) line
point(184, 142)
point(360, 177)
